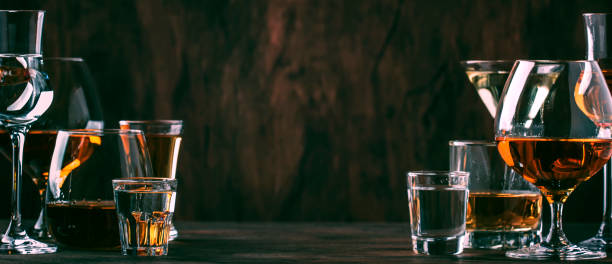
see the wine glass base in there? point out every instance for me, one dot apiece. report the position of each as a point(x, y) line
point(27, 246)
point(42, 235)
point(544, 252)
point(595, 244)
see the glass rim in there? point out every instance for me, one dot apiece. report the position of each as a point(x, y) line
point(95, 132)
point(137, 180)
point(462, 174)
point(75, 59)
point(153, 122)
point(596, 13)
point(554, 61)
point(486, 61)
point(23, 11)
point(471, 143)
point(500, 138)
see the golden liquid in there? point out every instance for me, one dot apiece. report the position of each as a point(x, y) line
point(503, 211)
point(37, 153)
point(163, 150)
point(152, 232)
point(555, 166)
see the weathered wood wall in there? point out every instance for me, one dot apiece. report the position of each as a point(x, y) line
point(305, 110)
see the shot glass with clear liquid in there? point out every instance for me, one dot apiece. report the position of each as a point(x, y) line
point(438, 202)
point(144, 209)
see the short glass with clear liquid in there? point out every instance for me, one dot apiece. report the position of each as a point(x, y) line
point(437, 203)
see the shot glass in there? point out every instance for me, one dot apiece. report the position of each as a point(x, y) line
point(438, 204)
point(144, 209)
point(504, 210)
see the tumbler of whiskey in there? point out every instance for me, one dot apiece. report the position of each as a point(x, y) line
point(504, 210)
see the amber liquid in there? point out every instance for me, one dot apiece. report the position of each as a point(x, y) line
point(152, 231)
point(37, 153)
point(555, 166)
point(514, 211)
point(163, 150)
point(82, 224)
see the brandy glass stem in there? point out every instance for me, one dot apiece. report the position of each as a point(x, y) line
point(556, 237)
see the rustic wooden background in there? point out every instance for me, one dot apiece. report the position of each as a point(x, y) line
point(308, 110)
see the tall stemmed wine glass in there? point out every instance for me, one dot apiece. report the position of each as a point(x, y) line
point(599, 48)
point(544, 135)
point(24, 97)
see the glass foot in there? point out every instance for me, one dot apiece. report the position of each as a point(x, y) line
point(27, 246)
point(41, 235)
point(173, 233)
point(544, 252)
point(594, 243)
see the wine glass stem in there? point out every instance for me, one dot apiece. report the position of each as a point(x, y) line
point(605, 230)
point(556, 238)
point(15, 231)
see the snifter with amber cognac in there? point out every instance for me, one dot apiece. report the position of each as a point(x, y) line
point(545, 134)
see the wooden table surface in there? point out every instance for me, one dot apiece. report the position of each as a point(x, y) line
point(202, 242)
